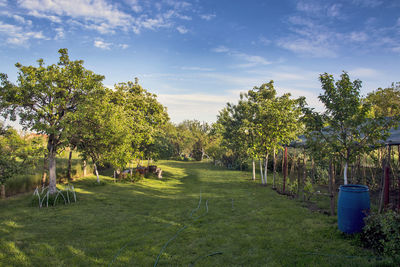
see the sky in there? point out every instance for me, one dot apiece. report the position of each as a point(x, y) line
point(198, 55)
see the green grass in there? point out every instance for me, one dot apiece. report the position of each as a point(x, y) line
point(126, 224)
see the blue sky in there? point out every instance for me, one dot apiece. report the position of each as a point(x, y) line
point(198, 55)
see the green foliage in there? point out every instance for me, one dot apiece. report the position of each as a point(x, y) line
point(45, 96)
point(18, 154)
point(382, 233)
point(348, 126)
point(308, 189)
point(386, 102)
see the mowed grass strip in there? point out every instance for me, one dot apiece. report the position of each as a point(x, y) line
point(125, 224)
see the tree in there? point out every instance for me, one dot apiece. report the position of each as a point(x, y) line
point(145, 115)
point(276, 119)
point(100, 130)
point(43, 98)
point(17, 154)
point(386, 102)
point(348, 124)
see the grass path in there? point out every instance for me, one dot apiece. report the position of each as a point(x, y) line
point(127, 224)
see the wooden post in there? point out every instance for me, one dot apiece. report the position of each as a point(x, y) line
point(387, 179)
point(274, 170)
point(3, 191)
point(304, 173)
point(84, 168)
point(298, 178)
point(398, 181)
point(332, 187)
point(285, 168)
point(44, 170)
point(69, 176)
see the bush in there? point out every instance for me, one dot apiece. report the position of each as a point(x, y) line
point(41, 198)
point(382, 233)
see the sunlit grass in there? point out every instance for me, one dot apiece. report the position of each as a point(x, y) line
point(125, 224)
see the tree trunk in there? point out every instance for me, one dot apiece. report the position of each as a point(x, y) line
point(285, 168)
point(254, 170)
point(299, 174)
point(332, 187)
point(44, 171)
point(114, 176)
point(69, 166)
point(304, 173)
point(292, 167)
point(274, 170)
point(2, 191)
point(266, 169)
point(364, 170)
point(96, 172)
point(312, 171)
point(84, 168)
point(345, 172)
point(52, 171)
point(261, 173)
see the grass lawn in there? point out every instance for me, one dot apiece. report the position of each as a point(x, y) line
point(126, 224)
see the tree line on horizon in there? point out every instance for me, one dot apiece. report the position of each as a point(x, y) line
point(115, 127)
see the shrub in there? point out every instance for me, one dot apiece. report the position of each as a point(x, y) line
point(382, 233)
point(41, 197)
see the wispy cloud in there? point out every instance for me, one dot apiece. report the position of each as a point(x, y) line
point(208, 17)
point(246, 59)
point(182, 29)
point(320, 9)
point(364, 73)
point(17, 35)
point(3, 3)
point(368, 3)
point(99, 43)
point(197, 69)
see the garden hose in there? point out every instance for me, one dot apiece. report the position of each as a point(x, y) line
point(166, 244)
point(131, 242)
point(196, 209)
point(205, 256)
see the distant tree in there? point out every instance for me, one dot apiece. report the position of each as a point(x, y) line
point(276, 120)
point(146, 116)
point(386, 102)
point(44, 96)
point(17, 154)
point(100, 130)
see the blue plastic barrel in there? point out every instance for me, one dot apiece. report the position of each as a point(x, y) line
point(353, 206)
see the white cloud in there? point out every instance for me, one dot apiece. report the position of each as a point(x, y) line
point(220, 49)
point(251, 60)
point(203, 107)
point(318, 9)
point(3, 3)
point(17, 35)
point(95, 10)
point(197, 69)
point(358, 36)
point(123, 46)
point(368, 3)
point(60, 34)
point(135, 6)
point(99, 43)
point(182, 29)
point(364, 73)
point(52, 18)
point(308, 47)
point(208, 17)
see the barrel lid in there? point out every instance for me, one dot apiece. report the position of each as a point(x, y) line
point(354, 188)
